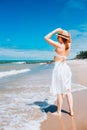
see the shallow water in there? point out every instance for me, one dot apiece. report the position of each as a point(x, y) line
point(25, 96)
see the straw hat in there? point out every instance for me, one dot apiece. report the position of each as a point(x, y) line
point(63, 34)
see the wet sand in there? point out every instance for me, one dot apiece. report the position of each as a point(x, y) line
point(79, 120)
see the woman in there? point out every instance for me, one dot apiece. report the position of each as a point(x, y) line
point(61, 77)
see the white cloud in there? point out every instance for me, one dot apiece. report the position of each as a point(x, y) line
point(25, 54)
point(79, 38)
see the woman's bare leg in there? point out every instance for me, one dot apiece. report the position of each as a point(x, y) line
point(59, 103)
point(70, 102)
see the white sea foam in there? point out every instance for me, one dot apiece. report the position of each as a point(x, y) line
point(19, 114)
point(12, 72)
point(79, 87)
point(43, 63)
point(32, 125)
point(19, 62)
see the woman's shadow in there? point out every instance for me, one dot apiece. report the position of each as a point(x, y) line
point(46, 107)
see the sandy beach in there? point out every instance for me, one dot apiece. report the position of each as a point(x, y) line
point(79, 120)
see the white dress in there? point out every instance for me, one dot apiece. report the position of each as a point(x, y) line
point(61, 78)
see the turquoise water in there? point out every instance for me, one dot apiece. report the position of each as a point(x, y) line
point(25, 61)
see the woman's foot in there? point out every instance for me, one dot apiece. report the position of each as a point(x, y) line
point(71, 113)
point(57, 113)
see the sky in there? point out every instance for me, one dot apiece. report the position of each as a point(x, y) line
point(24, 23)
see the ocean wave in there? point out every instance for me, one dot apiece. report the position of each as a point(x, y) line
point(13, 72)
point(18, 62)
point(43, 63)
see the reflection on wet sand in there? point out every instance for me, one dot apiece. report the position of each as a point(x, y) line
point(62, 124)
point(71, 122)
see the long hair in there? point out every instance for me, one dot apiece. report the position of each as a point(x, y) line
point(66, 42)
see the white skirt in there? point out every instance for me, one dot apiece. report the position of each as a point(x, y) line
point(61, 78)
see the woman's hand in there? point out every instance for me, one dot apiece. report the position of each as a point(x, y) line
point(57, 30)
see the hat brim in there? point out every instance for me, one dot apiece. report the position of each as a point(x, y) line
point(63, 36)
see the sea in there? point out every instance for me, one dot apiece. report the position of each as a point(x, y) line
point(25, 93)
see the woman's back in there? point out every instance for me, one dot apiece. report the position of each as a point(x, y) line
point(62, 50)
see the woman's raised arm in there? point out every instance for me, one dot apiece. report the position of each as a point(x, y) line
point(49, 35)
